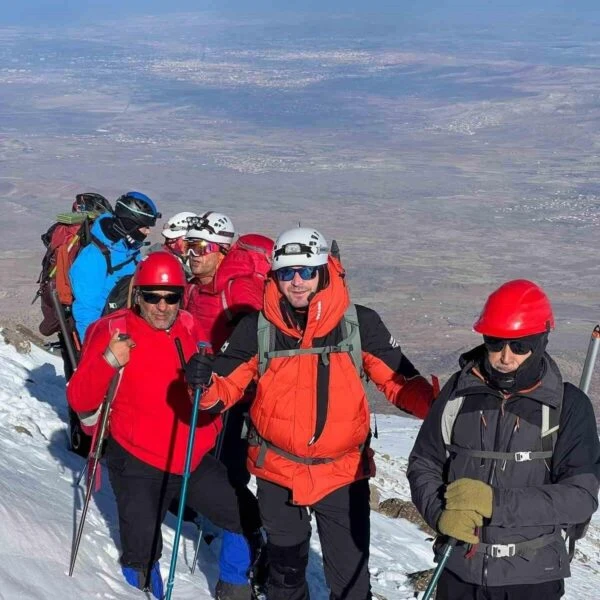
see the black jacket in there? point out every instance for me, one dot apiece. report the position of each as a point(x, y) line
point(533, 498)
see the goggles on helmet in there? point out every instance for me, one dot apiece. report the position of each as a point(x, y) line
point(288, 273)
point(520, 346)
point(200, 247)
point(154, 298)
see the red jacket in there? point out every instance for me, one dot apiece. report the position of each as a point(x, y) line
point(151, 411)
point(236, 289)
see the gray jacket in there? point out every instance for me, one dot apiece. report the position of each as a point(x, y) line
point(533, 499)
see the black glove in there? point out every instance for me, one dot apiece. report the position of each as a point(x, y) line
point(198, 371)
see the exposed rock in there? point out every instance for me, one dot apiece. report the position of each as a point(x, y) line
point(420, 579)
point(30, 335)
point(16, 339)
point(21, 429)
point(397, 508)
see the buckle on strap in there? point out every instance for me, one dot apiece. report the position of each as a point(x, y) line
point(502, 550)
point(522, 456)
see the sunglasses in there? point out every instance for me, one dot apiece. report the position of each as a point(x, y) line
point(201, 247)
point(154, 298)
point(519, 346)
point(288, 273)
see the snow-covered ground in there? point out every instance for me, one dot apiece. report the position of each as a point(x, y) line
point(40, 507)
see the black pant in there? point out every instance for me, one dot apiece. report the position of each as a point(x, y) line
point(143, 494)
point(343, 523)
point(234, 447)
point(450, 587)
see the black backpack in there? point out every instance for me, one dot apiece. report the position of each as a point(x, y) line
point(120, 295)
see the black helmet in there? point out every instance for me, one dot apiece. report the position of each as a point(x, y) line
point(91, 202)
point(134, 210)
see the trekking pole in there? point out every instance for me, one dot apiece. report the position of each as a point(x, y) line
point(58, 309)
point(590, 360)
point(96, 455)
point(202, 348)
point(443, 559)
point(218, 449)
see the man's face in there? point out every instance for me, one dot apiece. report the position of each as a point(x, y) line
point(155, 310)
point(505, 360)
point(298, 291)
point(204, 257)
point(175, 245)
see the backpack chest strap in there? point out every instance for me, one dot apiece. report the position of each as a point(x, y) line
point(323, 351)
point(522, 456)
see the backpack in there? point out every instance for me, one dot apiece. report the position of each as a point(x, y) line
point(119, 296)
point(549, 428)
point(254, 251)
point(63, 241)
point(57, 276)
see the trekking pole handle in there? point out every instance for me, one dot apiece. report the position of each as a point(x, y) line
point(444, 556)
point(202, 349)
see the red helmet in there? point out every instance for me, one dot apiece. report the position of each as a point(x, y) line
point(159, 269)
point(516, 309)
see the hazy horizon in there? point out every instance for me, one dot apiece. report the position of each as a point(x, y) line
point(447, 150)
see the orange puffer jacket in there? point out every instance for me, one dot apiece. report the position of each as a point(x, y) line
point(314, 416)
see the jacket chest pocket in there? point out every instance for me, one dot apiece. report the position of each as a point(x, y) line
point(501, 449)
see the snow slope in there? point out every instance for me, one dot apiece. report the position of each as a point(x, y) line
point(40, 505)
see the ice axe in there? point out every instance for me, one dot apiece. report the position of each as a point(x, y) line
point(335, 250)
point(95, 460)
point(444, 555)
point(590, 360)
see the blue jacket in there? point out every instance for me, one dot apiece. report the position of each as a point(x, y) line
point(90, 281)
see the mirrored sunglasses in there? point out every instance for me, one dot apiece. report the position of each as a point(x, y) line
point(201, 247)
point(518, 346)
point(288, 273)
point(154, 298)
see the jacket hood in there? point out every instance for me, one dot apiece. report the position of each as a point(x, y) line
point(325, 311)
point(471, 381)
point(118, 246)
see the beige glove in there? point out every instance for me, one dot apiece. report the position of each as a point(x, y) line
point(460, 525)
point(470, 494)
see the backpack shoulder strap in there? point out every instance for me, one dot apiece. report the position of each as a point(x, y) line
point(351, 341)
point(449, 415)
point(551, 423)
point(110, 269)
point(226, 293)
point(266, 342)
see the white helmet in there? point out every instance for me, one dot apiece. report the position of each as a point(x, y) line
point(177, 225)
point(211, 227)
point(302, 246)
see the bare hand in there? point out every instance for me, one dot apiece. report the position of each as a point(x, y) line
point(120, 346)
